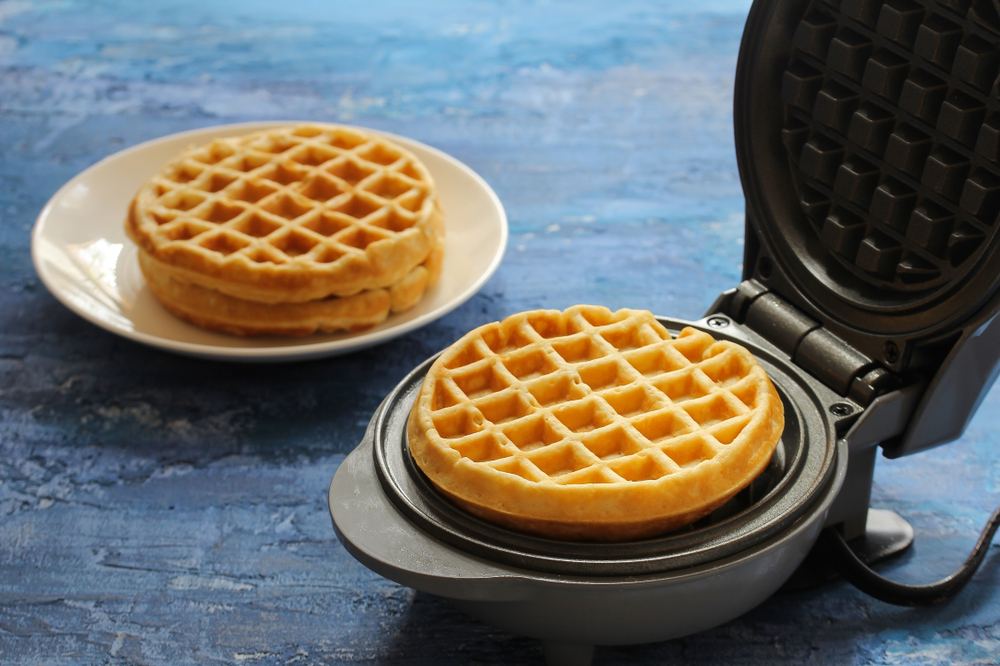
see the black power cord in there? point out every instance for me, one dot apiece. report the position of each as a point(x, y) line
point(858, 574)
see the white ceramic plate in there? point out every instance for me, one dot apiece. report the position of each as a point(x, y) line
point(85, 259)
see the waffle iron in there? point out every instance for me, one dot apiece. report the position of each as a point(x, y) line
point(868, 143)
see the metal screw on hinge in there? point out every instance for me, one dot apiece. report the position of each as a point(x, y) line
point(841, 409)
point(891, 352)
point(718, 322)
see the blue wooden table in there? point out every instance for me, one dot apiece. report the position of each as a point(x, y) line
point(156, 509)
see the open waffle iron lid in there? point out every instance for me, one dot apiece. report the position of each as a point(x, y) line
point(868, 139)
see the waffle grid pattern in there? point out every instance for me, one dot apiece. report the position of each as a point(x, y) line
point(611, 399)
point(307, 196)
point(892, 127)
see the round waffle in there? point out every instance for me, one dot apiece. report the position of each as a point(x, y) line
point(212, 309)
point(289, 215)
point(592, 425)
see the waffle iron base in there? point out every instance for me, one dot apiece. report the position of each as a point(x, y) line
point(571, 613)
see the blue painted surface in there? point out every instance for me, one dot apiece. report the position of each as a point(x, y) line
point(162, 510)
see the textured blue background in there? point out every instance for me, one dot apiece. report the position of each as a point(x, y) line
point(162, 510)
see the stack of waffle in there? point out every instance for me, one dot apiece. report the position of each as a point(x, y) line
point(289, 231)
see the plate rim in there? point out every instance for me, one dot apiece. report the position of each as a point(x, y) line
point(276, 353)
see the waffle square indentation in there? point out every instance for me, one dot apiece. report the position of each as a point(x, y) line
point(870, 128)
point(185, 230)
point(560, 459)
point(349, 171)
point(379, 154)
point(457, 422)
point(848, 53)
point(834, 106)
point(652, 361)
point(503, 407)
point(899, 21)
point(856, 180)
point(799, 85)
point(357, 207)
point(981, 195)
point(606, 374)
point(878, 254)
point(821, 157)
point(640, 468)
point(293, 242)
point(611, 443)
point(578, 349)
point(284, 173)
point(662, 425)
point(937, 39)
point(633, 400)
point(930, 225)
point(551, 389)
point(976, 62)
point(582, 416)
point(220, 211)
point(681, 386)
point(922, 95)
point(945, 172)
point(481, 380)
point(726, 432)
point(322, 188)
point(885, 73)
point(813, 34)
point(251, 192)
point(484, 448)
point(624, 338)
point(892, 204)
point(532, 433)
point(529, 364)
point(314, 155)
point(286, 207)
point(711, 410)
point(224, 243)
point(842, 232)
point(961, 117)
point(469, 354)
point(690, 452)
point(256, 225)
point(217, 182)
point(907, 150)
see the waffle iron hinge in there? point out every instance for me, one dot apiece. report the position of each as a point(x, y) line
point(883, 409)
point(823, 355)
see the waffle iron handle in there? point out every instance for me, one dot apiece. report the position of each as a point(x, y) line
point(955, 392)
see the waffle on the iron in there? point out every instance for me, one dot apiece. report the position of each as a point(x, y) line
point(290, 214)
point(593, 425)
point(214, 310)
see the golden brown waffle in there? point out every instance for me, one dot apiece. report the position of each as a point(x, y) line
point(593, 425)
point(220, 312)
point(291, 214)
